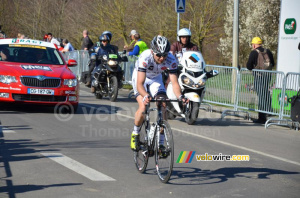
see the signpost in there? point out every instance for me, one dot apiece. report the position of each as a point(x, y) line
point(179, 8)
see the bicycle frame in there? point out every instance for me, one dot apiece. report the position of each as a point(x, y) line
point(157, 123)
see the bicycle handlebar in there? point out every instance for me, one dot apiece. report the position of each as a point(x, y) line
point(163, 100)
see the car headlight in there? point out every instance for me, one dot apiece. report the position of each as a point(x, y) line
point(70, 82)
point(187, 81)
point(7, 79)
point(112, 62)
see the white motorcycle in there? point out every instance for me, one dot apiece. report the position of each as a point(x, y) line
point(192, 81)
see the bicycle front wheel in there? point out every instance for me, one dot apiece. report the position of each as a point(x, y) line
point(164, 158)
point(141, 156)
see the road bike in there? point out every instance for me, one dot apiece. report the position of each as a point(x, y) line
point(149, 143)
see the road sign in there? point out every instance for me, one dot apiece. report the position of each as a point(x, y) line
point(180, 6)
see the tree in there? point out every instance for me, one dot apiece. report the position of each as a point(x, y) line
point(257, 18)
point(205, 17)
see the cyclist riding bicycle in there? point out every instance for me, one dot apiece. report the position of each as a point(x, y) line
point(147, 73)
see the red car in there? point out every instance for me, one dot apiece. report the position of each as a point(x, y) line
point(33, 71)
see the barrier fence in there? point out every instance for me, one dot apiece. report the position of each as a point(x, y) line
point(242, 90)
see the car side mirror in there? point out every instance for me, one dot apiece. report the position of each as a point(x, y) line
point(72, 63)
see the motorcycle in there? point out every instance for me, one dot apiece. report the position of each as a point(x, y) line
point(108, 76)
point(192, 79)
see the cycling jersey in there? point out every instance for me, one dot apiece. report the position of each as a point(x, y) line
point(146, 63)
point(153, 81)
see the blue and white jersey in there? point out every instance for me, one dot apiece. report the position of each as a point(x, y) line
point(146, 63)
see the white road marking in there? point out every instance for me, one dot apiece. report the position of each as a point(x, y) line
point(221, 142)
point(78, 167)
point(6, 130)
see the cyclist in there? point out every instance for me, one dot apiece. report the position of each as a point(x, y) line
point(147, 73)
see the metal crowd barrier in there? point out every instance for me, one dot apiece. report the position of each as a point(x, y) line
point(244, 90)
point(82, 58)
point(221, 90)
point(290, 87)
point(128, 69)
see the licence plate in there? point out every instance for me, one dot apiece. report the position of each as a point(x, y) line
point(41, 91)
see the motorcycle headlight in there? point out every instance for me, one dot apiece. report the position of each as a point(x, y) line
point(201, 82)
point(70, 82)
point(112, 63)
point(7, 79)
point(187, 81)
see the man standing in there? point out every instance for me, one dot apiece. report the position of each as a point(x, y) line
point(86, 42)
point(53, 40)
point(139, 46)
point(262, 59)
point(130, 47)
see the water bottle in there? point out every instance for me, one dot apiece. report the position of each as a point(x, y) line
point(151, 132)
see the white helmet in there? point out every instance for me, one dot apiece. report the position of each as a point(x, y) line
point(160, 45)
point(184, 32)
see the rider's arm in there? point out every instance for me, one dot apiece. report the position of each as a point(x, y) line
point(173, 49)
point(175, 84)
point(141, 76)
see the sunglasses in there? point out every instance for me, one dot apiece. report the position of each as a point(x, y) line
point(161, 55)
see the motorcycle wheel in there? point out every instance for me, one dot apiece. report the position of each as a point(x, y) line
point(171, 112)
point(113, 92)
point(192, 115)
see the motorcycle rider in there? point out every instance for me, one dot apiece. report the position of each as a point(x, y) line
point(104, 49)
point(93, 52)
point(183, 43)
point(147, 73)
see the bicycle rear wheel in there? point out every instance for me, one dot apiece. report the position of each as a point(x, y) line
point(164, 161)
point(141, 157)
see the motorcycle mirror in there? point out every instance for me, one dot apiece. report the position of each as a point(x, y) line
point(124, 59)
point(212, 73)
point(124, 52)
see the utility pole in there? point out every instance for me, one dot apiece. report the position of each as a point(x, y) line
point(235, 47)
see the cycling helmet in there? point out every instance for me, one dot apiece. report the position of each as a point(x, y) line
point(108, 33)
point(160, 45)
point(183, 32)
point(104, 37)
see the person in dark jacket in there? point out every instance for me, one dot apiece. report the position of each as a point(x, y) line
point(183, 43)
point(87, 43)
point(261, 80)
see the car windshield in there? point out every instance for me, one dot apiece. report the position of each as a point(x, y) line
point(30, 54)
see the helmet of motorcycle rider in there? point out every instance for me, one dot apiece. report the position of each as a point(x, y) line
point(108, 33)
point(160, 45)
point(184, 32)
point(104, 37)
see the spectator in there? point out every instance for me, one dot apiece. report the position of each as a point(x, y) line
point(87, 43)
point(130, 47)
point(2, 34)
point(53, 40)
point(261, 79)
point(67, 46)
point(183, 42)
point(4, 55)
point(139, 46)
